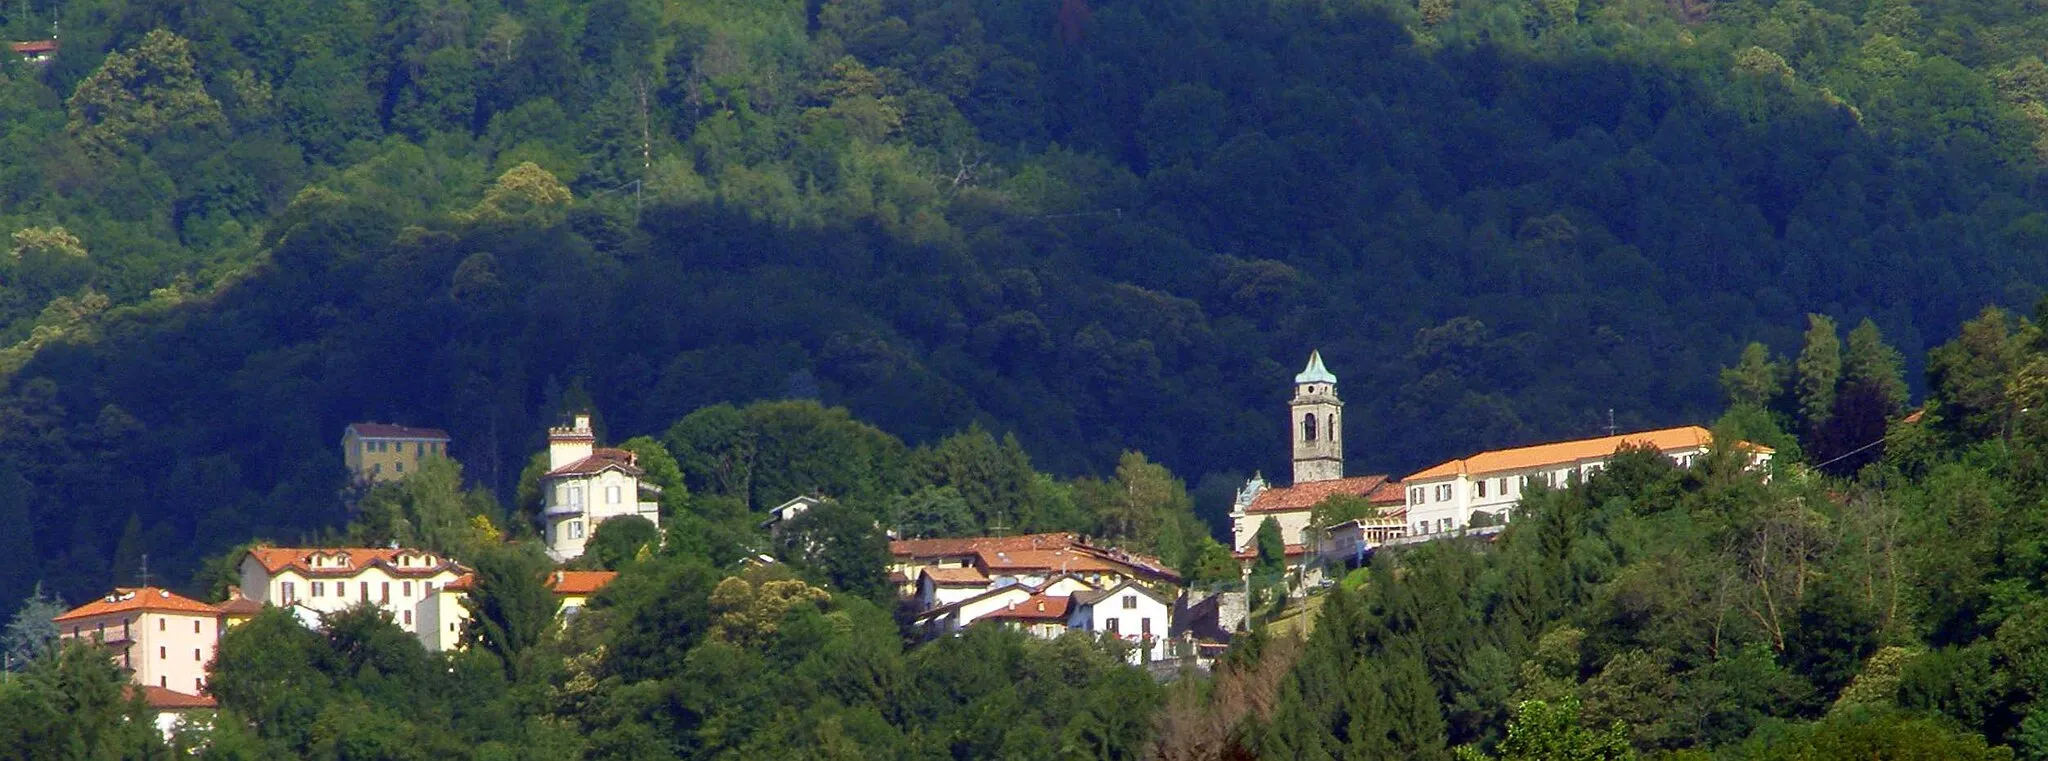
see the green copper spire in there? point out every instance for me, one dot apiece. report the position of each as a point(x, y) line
point(1315, 372)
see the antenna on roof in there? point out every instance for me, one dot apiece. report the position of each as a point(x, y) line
point(1610, 421)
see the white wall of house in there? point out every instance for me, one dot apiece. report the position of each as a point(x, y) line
point(575, 505)
point(1130, 615)
point(398, 595)
point(441, 618)
point(1244, 528)
point(1447, 503)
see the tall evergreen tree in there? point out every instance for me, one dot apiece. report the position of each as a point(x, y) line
point(1818, 372)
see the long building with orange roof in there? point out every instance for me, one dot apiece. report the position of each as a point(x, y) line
point(1446, 497)
point(1030, 559)
point(329, 579)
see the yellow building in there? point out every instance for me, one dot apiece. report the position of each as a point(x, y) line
point(380, 452)
point(574, 588)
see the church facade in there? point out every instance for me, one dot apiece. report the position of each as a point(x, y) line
point(1316, 434)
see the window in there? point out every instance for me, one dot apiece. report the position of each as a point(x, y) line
point(1330, 433)
point(319, 589)
point(408, 618)
point(198, 684)
point(159, 626)
point(341, 590)
point(420, 449)
point(1443, 524)
point(405, 589)
point(1145, 626)
point(195, 627)
point(575, 529)
point(384, 592)
point(288, 592)
point(364, 589)
point(164, 682)
point(398, 466)
point(163, 653)
point(376, 468)
point(576, 496)
point(1111, 627)
point(195, 654)
point(1482, 489)
point(1503, 487)
point(1308, 427)
point(426, 588)
point(611, 495)
point(1130, 602)
point(1415, 496)
point(1443, 493)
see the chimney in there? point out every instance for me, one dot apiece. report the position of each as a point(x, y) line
point(570, 443)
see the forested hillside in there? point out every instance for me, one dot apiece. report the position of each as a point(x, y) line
point(238, 225)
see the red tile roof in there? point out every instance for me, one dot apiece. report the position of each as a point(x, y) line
point(578, 582)
point(1065, 560)
point(462, 583)
point(389, 431)
point(32, 47)
point(1038, 607)
point(965, 577)
point(939, 548)
point(239, 606)
point(1293, 550)
point(171, 700)
point(130, 599)
point(300, 559)
point(1375, 489)
point(600, 460)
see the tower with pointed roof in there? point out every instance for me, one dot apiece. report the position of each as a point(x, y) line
point(1317, 430)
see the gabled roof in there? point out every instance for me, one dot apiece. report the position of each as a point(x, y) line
point(1038, 607)
point(578, 582)
point(135, 599)
point(961, 547)
point(1375, 489)
point(1315, 372)
point(599, 461)
point(389, 431)
point(300, 559)
point(238, 605)
point(1091, 598)
point(956, 577)
point(171, 700)
point(1568, 452)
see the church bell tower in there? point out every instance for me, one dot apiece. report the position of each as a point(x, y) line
point(1318, 432)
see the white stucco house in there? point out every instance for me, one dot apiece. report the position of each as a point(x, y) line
point(586, 486)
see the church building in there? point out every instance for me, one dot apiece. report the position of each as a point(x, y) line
point(1316, 430)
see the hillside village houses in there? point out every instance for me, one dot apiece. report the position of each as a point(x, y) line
point(1043, 584)
point(586, 485)
point(164, 641)
point(377, 453)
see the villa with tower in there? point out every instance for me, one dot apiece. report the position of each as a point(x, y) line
point(587, 485)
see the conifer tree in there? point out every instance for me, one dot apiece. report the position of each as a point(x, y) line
point(1819, 370)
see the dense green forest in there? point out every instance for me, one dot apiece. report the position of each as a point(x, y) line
point(1099, 225)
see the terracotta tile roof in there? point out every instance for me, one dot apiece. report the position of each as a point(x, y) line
point(300, 559)
point(1567, 452)
point(238, 605)
point(1072, 561)
point(598, 461)
point(1293, 550)
point(939, 548)
point(130, 599)
point(1093, 597)
point(577, 582)
point(33, 46)
point(462, 583)
point(171, 700)
point(389, 431)
point(966, 577)
point(1376, 489)
point(1038, 607)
